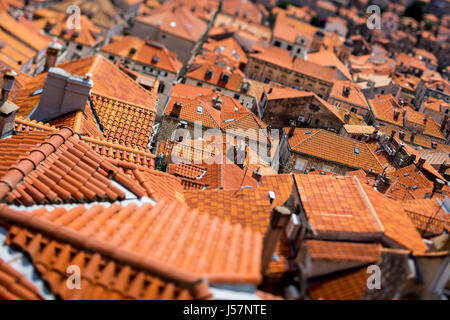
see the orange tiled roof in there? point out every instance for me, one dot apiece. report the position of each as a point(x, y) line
point(244, 9)
point(176, 20)
point(227, 176)
point(144, 52)
point(343, 208)
point(201, 66)
point(122, 88)
point(103, 12)
point(348, 286)
point(122, 122)
point(139, 156)
point(98, 283)
point(249, 207)
point(328, 58)
point(288, 93)
point(427, 215)
point(355, 96)
point(167, 239)
point(45, 167)
point(24, 32)
point(88, 35)
point(332, 147)
point(14, 285)
point(228, 47)
point(408, 183)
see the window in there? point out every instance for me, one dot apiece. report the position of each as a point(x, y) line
point(354, 110)
point(299, 165)
point(316, 122)
point(79, 47)
point(236, 96)
point(289, 47)
point(199, 84)
point(266, 80)
point(446, 111)
point(299, 50)
point(277, 44)
point(161, 88)
point(111, 57)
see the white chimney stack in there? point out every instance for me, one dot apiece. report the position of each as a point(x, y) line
point(62, 94)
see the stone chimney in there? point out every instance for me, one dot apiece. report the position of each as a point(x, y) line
point(392, 135)
point(291, 129)
point(62, 94)
point(279, 219)
point(53, 51)
point(8, 109)
point(176, 109)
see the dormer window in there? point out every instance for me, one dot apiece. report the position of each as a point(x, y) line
point(199, 109)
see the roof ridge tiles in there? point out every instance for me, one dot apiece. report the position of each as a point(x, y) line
point(369, 204)
point(196, 285)
point(10, 180)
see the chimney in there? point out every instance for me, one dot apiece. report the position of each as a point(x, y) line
point(442, 168)
point(420, 163)
point(62, 94)
point(7, 84)
point(53, 51)
point(279, 219)
point(217, 103)
point(396, 114)
point(176, 109)
point(291, 128)
point(437, 186)
point(392, 135)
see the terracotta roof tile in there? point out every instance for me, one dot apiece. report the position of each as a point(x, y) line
point(332, 147)
point(122, 122)
point(176, 20)
point(355, 96)
point(427, 215)
point(249, 207)
point(167, 239)
point(408, 183)
point(348, 286)
point(41, 167)
point(343, 208)
point(14, 286)
point(282, 58)
point(103, 12)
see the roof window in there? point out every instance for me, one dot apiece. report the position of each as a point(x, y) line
point(356, 150)
point(199, 109)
